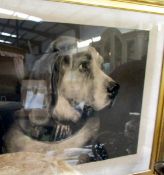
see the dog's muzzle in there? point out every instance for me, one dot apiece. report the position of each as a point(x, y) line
point(112, 90)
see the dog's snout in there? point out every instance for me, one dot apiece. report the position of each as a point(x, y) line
point(112, 89)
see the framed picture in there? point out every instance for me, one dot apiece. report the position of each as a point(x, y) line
point(83, 81)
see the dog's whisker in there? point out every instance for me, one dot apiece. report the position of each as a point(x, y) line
point(62, 131)
point(63, 135)
point(65, 132)
point(57, 130)
point(70, 132)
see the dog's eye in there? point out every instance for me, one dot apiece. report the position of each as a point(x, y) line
point(83, 67)
point(66, 59)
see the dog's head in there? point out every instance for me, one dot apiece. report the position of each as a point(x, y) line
point(81, 78)
point(84, 81)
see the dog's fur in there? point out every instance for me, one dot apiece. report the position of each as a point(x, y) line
point(33, 164)
point(77, 77)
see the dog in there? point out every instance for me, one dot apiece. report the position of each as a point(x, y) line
point(76, 88)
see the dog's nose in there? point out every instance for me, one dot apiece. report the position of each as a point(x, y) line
point(112, 89)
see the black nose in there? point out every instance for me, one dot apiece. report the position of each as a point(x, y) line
point(112, 89)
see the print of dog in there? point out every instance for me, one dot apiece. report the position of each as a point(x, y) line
point(75, 83)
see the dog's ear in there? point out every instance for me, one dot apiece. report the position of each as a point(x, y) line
point(99, 59)
point(55, 73)
point(56, 76)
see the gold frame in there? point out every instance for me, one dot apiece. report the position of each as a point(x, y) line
point(158, 141)
point(146, 6)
